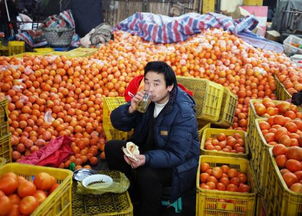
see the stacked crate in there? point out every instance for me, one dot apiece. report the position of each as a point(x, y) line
point(5, 137)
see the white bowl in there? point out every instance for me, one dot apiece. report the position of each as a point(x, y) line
point(97, 181)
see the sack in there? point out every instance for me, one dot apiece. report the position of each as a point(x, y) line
point(53, 154)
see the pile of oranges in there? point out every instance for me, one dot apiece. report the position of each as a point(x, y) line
point(52, 96)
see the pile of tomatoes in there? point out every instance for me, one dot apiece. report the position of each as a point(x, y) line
point(268, 107)
point(285, 134)
point(223, 178)
point(19, 196)
point(226, 143)
point(289, 160)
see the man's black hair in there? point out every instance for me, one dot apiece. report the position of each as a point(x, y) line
point(297, 98)
point(162, 68)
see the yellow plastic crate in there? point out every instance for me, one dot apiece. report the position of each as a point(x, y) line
point(211, 132)
point(4, 130)
point(261, 206)
point(227, 112)
point(259, 156)
point(281, 92)
point(44, 50)
point(6, 148)
point(59, 201)
point(207, 95)
point(113, 134)
point(109, 104)
point(201, 130)
point(208, 6)
point(3, 111)
point(81, 52)
point(253, 2)
point(16, 47)
point(2, 161)
point(279, 199)
point(226, 203)
point(108, 204)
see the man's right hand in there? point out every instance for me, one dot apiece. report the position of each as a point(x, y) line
point(135, 100)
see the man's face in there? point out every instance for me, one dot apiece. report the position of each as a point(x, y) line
point(155, 83)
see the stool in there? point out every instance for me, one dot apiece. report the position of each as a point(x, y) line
point(177, 204)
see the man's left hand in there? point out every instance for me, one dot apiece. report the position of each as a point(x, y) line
point(141, 159)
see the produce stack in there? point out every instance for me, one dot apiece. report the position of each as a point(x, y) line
point(225, 181)
point(274, 138)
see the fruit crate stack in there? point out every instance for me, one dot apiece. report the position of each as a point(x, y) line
point(275, 125)
point(225, 181)
point(5, 137)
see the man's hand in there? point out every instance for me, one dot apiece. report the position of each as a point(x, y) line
point(141, 159)
point(135, 100)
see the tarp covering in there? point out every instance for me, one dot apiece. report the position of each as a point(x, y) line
point(164, 29)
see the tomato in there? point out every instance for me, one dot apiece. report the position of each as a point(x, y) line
point(44, 181)
point(221, 136)
point(204, 167)
point(232, 187)
point(282, 171)
point(279, 149)
point(294, 152)
point(1, 193)
point(14, 198)
point(281, 161)
point(281, 131)
point(293, 165)
point(212, 179)
point(242, 177)
point(290, 178)
point(21, 179)
point(28, 204)
point(5, 205)
point(299, 174)
point(296, 187)
point(10, 174)
point(212, 185)
point(14, 210)
point(217, 172)
point(244, 188)
point(54, 187)
point(225, 180)
point(209, 171)
point(204, 177)
point(40, 196)
point(235, 181)
point(285, 140)
point(26, 188)
point(220, 186)
point(291, 127)
point(205, 186)
point(8, 184)
point(232, 172)
point(225, 168)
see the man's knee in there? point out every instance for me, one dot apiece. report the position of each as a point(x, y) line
point(113, 146)
point(145, 174)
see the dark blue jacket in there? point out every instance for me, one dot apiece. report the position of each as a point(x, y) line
point(175, 138)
